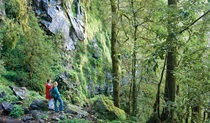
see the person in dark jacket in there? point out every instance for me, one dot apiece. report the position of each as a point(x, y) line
point(57, 97)
point(48, 97)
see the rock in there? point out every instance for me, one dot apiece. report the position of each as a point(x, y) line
point(26, 110)
point(1, 108)
point(105, 88)
point(7, 107)
point(39, 105)
point(27, 118)
point(69, 108)
point(68, 116)
point(54, 19)
point(17, 102)
point(37, 116)
point(9, 120)
point(105, 109)
point(62, 117)
point(2, 9)
point(2, 94)
point(19, 91)
point(55, 118)
point(77, 26)
point(96, 55)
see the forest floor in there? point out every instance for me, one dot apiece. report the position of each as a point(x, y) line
point(51, 117)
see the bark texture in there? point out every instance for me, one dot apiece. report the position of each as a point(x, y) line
point(135, 93)
point(171, 60)
point(115, 56)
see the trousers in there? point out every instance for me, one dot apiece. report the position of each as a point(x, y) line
point(51, 103)
point(61, 104)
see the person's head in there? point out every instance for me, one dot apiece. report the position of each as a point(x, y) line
point(48, 80)
point(55, 84)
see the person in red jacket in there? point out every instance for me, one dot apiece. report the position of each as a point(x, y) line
point(48, 97)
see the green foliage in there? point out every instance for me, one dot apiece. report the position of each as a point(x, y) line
point(10, 97)
point(2, 70)
point(91, 62)
point(17, 111)
point(73, 9)
point(74, 120)
point(17, 10)
point(31, 96)
point(11, 33)
point(45, 116)
point(33, 59)
point(115, 121)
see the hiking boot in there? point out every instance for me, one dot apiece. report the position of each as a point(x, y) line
point(61, 112)
point(51, 109)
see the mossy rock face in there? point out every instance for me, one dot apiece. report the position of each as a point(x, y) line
point(105, 109)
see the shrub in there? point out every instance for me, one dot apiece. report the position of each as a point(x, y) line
point(10, 97)
point(76, 121)
point(17, 111)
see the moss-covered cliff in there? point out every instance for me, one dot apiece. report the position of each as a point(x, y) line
point(66, 40)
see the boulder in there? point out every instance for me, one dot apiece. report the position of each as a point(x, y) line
point(1, 108)
point(7, 107)
point(2, 94)
point(69, 108)
point(19, 91)
point(105, 109)
point(39, 105)
point(27, 118)
point(37, 116)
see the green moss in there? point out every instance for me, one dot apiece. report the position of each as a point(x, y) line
point(73, 76)
point(74, 120)
point(31, 96)
point(87, 68)
point(90, 69)
point(94, 99)
point(110, 106)
point(93, 26)
point(10, 97)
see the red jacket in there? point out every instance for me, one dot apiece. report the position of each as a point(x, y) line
point(48, 87)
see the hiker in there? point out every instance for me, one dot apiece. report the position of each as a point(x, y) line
point(57, 97)
point(48, 97)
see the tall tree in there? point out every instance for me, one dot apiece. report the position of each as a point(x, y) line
point(115, 56)
point(171, 60)
point(135, 26)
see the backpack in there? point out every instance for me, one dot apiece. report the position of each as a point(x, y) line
point(52, 94)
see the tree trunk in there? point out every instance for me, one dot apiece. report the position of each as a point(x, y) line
point(170, 84)
point(128, 107)
point(115, 56)
point(134, 77)
point(134, 104)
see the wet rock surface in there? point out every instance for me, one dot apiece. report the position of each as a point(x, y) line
point(19, 91)
point(55, 19)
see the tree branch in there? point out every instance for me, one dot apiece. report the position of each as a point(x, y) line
point(195, 21)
